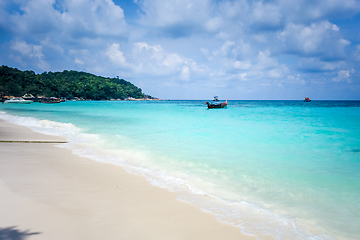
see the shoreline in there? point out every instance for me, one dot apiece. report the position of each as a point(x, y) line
point(50, 193)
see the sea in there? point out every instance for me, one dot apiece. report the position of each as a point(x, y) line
point(274, 169)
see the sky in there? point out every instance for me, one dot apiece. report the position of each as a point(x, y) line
point(193, 49)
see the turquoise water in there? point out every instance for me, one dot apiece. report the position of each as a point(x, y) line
point(275, 169)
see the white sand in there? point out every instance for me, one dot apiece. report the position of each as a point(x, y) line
point(48, 193)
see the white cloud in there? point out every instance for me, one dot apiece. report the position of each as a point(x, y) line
point(260, 38)
point(23, 48)
point(185, 73)
point(47, 42)
point(313, 39)
point(242, 65)
point(78, 61)
point(266, 15)
point(206, 53)
point(77, 19)
point(265, 61)
point(226, 47)
point(335, 28)
point(297, 79)
point(344, 42)
point(81, 56)
point(29, 52)
point(100, 17)
point(342, 75)
point(274, 73)
point(155, 60)
point(316, 64)
point(78, 52)
point(317, 10)
point(214, 24)
point(357, 52)
point(173, 13)
point(234, 9)
point(115, 55)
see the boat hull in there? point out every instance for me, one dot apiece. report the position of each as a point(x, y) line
point(216, 105)
point(49, 102)
point(219, 105)
point(18, 101)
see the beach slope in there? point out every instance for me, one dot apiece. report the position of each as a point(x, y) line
point(49, 193)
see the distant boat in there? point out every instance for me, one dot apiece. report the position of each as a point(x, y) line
point(50, 100)
point(216, 104)
point(18, 100)
point(307, 99)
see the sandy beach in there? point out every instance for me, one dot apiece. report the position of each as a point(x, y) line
point(49, 193)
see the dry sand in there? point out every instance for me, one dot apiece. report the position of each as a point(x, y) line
point(46, 192)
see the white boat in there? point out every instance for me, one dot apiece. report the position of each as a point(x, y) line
point(18, 100)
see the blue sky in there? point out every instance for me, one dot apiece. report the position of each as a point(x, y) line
point(186, 49)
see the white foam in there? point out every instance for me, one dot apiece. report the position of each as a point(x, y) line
point(42, 126)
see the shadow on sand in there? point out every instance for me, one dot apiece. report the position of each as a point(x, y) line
point(11, 233)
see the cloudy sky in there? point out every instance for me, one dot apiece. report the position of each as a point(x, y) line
point(193, 49)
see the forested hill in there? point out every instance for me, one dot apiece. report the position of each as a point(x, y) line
point(66, 84)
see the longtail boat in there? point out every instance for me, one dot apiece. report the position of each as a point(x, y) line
point(216, 104)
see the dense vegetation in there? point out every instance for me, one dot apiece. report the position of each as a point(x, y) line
point(66, 84)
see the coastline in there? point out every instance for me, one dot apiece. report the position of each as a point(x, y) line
point(50, 193)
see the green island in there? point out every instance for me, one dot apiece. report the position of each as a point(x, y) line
point(66, 84)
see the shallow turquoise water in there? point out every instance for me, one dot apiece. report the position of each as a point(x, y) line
point(278, 169)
